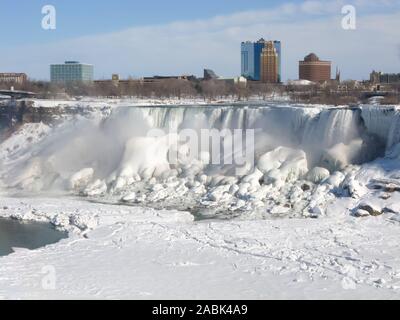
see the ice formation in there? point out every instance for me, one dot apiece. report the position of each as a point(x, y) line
point(302, 156)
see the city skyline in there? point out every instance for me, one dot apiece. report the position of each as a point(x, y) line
point(189, 42)
point(251, 58)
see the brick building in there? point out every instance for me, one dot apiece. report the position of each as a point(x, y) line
point(17, 78)
point(313, 69)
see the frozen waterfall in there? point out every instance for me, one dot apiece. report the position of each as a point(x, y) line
point(289, 142)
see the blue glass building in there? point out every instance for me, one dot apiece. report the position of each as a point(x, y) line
point(251, 59)
point(71, 71)
point(248, 60)
point(278, 47)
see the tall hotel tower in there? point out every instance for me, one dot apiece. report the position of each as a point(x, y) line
point(251, 59)
point(269, 64)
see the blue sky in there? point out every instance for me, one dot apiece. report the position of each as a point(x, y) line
point(76, 18)
point(142, 38)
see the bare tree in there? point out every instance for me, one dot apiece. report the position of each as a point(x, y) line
point(213, 89)
point(241, 91)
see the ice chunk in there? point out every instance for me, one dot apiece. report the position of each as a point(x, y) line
point(282, 165)
point(81, 179)
point(336, 179)
point(317, 175)
point(96, 188)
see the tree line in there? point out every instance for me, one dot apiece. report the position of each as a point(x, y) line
point(333, 93)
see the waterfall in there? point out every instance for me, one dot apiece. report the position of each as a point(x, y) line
point(384, 122)
point(119, 147)
point(311, 129)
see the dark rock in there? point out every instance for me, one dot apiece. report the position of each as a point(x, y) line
point(392, 189)
point(385, 196)
point(373, 212)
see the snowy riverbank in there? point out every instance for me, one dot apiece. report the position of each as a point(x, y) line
point(146, 254)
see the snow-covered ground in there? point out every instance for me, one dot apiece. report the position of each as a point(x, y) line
point(316, 217)
point(94, 102)
point(119, 102)
point(146, 254)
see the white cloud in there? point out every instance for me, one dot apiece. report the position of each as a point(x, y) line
point(314, 7)
point(189, 46)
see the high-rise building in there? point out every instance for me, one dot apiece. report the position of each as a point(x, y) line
point(269, 63)
point(278, 47)
point(313, 69)
point(71, 71)
point(251, 58)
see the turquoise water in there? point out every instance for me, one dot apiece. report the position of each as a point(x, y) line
point(27, 235)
